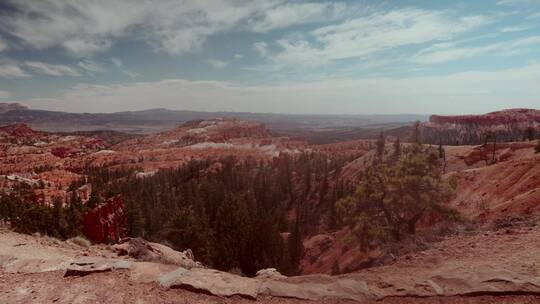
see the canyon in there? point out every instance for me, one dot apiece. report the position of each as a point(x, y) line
point(493, 255)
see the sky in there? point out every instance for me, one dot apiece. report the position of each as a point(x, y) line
point(302, 57)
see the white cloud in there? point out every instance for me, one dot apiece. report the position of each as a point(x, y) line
point(12, 70)
point(533, 16)
point(261, 48)
point(517, 28)
point(480, 91)
point(238, 56)
point(120, 65)
point(297, 13)
point(52, 69)
point(117, 62)
point(375, 32)
point(91, 66)
point(86, 27)
point(516, 2)
point(4, 94)
point(3, 44)
point(450, 52)
point(85, 47)
point(218, 64)
point(131, 73)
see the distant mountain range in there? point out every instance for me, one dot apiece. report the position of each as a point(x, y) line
point(505, 125)
point(319, 128)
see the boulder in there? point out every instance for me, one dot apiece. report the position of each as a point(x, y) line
point(212, 282)
point(154, 252)
point(269, 273)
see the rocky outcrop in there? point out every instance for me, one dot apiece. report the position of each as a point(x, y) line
point(106, 222)
point(211, 281)
point(484, 264)
point(493, 118)
point(355, 287)
point(82, 266)
point(18, 130)
point(507, 125)
point(269, 273)
point(7, 107)
point(153, 252)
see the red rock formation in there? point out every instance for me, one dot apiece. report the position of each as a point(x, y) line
point(499, 117)
point(18, 130)
point(502, 126)
point(60, 152)
point(106, 222)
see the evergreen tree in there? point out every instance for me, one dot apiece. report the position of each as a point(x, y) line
point(335, 268)
point(391, 198)
point(416, 136)
point(231, 232)
point(93, 200)
point(530, 133)
point(381, 141)
point(61, 227)
point(74, 214)
point(397, 150)
point(135, 219)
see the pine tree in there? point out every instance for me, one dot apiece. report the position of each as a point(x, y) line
point(397, 150)
point(59, 215)
point(530, 133)
point(416, 136)
point(335, 268)
point(381, 141)
point(135, 219)
point(93, 200)
point(391, 198)
point(231, 229)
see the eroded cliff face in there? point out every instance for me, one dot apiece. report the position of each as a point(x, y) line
point(495, 184)
point(506, 125)
point(106, 222)
point(492, 118)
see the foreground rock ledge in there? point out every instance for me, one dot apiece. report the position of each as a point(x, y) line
point(484, 264)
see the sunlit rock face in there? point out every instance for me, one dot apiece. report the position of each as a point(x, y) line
point(506, 125)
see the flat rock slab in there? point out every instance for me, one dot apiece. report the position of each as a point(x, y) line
point(449, 283)
point(211, 281)
point(88, 265)
point(492, 282)
point(147, 272)
point(336, 288)
point(14, 264)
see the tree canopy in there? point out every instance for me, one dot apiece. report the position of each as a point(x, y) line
point(392, 196)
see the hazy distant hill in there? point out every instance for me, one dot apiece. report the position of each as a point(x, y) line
point(323, 128)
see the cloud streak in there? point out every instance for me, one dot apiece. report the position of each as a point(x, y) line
point(373, 33)
point(448, 52)
point(463, 92)
point(5, 94)
point(12, 70)
point(52, 69)
point(84, 27)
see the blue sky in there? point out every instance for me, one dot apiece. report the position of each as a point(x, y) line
point(340, 57)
